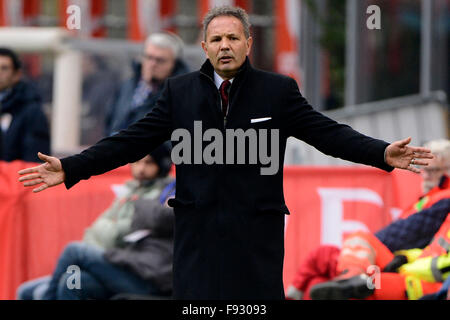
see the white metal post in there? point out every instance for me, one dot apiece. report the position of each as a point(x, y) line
point(425, 48)
point(66, 102)
point(351, 55)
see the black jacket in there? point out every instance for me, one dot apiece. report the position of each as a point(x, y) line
point(28, 131)
point(229, 219)
point(151, 257)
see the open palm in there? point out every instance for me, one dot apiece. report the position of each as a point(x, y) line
point(400, 155)
point(48, 174)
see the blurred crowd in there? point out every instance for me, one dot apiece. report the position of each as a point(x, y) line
point(127, 251)
point(407, 259)
point(108, 105)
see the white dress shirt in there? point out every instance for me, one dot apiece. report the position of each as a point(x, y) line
point(218, 80)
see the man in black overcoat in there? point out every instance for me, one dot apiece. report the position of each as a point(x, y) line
point(229, 215)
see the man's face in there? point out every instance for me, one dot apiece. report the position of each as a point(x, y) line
point(157, 63)
point(144, 169)
point(433, 173)
point(8, 76)
point(226, 45)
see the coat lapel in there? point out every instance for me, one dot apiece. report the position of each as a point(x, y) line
point(207, 72)
point(212, 94)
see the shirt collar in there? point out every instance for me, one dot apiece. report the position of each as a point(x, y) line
point(218, 80)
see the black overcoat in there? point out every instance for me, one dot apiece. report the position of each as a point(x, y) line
point(229, 218)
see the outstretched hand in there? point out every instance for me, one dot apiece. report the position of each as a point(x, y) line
point(400, 155)
point(49, 174)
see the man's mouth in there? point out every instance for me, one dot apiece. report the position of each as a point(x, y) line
point(225, 59)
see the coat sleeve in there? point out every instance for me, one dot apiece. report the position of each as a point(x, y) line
point(416, 231)
point(334, 139)
point(127, 146)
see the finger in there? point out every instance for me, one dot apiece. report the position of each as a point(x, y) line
point(420, 150)
point(423, 156)
point(41, 188)
point(44, 157)
point(30, 177)
point(29, 170)
point(33, 183)
point(404, 142)
point(413, 169)
point(420, 162)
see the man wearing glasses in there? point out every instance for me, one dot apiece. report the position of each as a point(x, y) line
point(137, 96)
point(439, 168)
point(24, 127)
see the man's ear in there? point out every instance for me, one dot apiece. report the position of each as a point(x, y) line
point(249, 44)
point(204, 47)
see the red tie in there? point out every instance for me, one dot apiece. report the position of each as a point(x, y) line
point(224, 95)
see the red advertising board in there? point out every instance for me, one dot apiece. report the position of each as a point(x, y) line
point(325, 203)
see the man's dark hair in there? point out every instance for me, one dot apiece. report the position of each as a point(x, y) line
point(227, 11)
point(5, 52)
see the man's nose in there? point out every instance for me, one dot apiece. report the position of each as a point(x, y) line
point(151, 63)
point(224, 44)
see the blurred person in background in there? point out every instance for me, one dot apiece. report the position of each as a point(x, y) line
point(137, 96)
point(24, 126)
point(417, 226)
point(142, 266)
point(438, 170)
point(99, 81)
point(150, 183)
point(407, 260)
